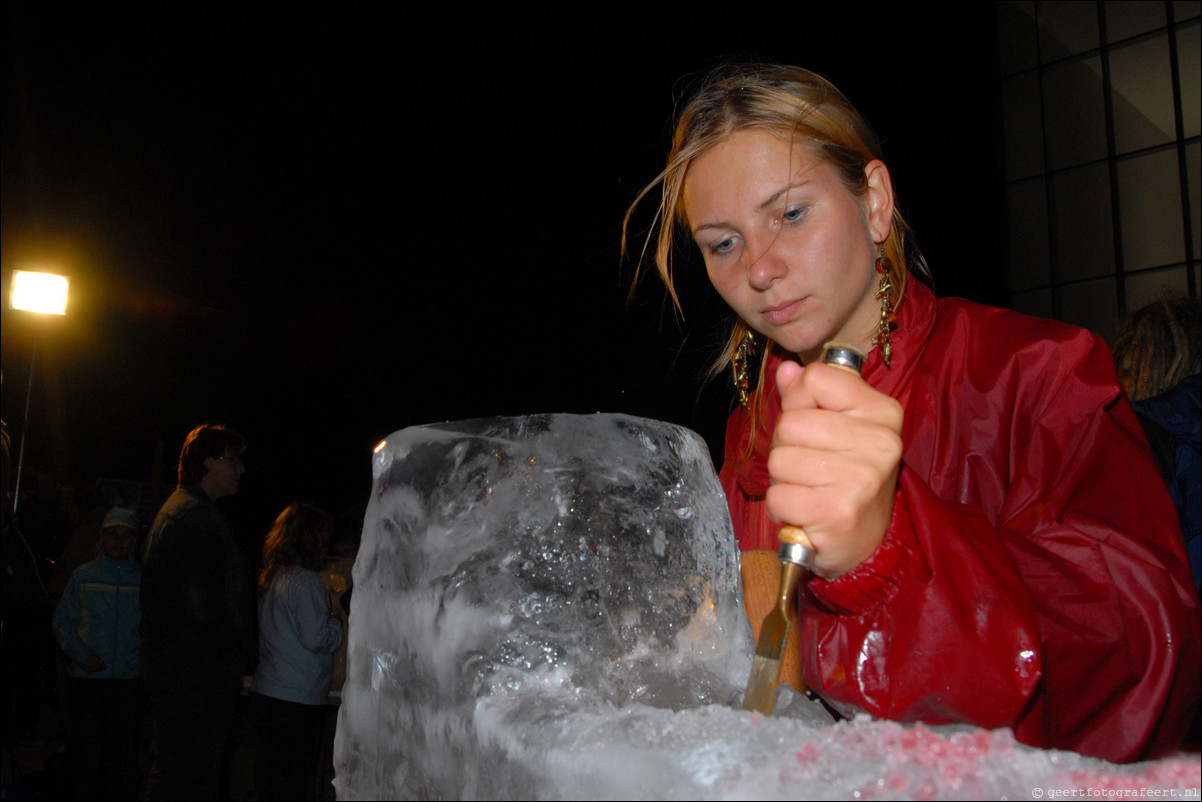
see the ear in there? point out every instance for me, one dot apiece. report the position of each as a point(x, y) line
point(879, 199)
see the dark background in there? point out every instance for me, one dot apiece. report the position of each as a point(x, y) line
point(320, 227)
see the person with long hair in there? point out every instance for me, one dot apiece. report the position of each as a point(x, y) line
point(1158, 349)
point(298, 635)
point(992, 543)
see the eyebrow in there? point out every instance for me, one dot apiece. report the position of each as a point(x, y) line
point(773, 198)
point(782, 191)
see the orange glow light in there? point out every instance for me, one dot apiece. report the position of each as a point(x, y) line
point(44, 293)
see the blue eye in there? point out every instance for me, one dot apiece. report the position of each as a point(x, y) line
point(793, 214)
point(723, 246)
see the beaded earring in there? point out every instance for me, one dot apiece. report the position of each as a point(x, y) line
point(740, 364)
point(885, 294)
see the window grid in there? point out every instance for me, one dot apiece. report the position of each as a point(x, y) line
point(1088, 299)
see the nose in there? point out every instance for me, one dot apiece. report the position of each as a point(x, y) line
point(765, 267)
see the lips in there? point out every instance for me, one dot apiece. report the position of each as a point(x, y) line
point(782, 313)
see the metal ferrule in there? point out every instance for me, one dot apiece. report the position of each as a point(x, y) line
point(797, 553)
point(843, 355)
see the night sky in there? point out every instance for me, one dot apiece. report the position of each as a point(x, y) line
point(321, 227)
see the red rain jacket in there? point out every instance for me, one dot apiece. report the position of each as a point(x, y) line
point(1033, 575)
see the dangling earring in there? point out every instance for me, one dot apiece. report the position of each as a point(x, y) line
point(740, 364)
point(885, 294)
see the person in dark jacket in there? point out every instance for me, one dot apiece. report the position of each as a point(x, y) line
point(198, 632)
point(1158, 349)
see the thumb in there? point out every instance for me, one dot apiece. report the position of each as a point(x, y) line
point(786, 373)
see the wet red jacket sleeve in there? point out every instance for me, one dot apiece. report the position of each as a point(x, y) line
point(1032, 575)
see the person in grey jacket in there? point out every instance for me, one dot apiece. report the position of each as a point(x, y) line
point(298, 635)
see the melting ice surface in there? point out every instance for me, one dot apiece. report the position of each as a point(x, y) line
point(548, 607)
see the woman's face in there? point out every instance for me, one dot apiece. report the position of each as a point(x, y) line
point(787, 246)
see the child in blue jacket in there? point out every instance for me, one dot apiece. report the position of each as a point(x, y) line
point(96, 625)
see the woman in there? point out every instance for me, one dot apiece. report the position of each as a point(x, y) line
point(993, 544)
point(298, 635)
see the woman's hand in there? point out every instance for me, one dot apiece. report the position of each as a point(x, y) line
point(835, 457)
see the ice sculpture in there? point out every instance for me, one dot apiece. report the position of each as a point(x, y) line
point(547, 607)
point(567, 564)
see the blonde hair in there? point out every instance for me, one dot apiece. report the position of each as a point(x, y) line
point(1158, 346)
point(788, 101)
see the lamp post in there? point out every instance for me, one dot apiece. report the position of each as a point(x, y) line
point(44, 294)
